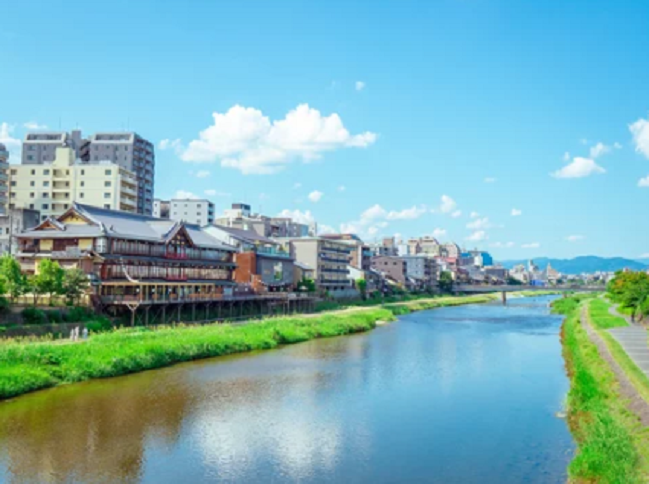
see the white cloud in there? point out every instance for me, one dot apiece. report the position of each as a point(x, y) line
point(475, 214)
point(326, 229)
point(34, 125)
point(447, 205)
point(617, 146)
point(456, 214)
point(315, 196)
point(216, 193)
point(644, 182)
point(583, 141)
point(182, 195)
point(382, 225)
point(373, 213)
point(360, 85)
point(579, 168)
point(298, 216)
point(202, 174)
point(297, 185)
point(531, 245)
point(407, 213)
point(477, 236)
point(640, 132)
point(13, 144)
point(645, 255)
point(437, 233)
point(566, 156)
point(478, 224)
point(342, 188)
point(372, 230)
point(490, 179)
point(246, 140)
point(171, 144)
point(516, 212)
point(599, 149)
point(503, 245)
point(574, 238)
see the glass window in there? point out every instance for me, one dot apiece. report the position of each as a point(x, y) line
point(45, 206)
point(46, 172)
point(32, 183)
point(107, 184)
point(13, 183)
point(107, 206)
point(83, 184)
point(46, 184)
point(46, 195)
point(81, 195)
point(108, 172)
point(31, 195)
point(83, 172)
point(107, 195)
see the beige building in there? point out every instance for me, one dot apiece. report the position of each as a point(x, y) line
point(52, 188)
point(4, 167)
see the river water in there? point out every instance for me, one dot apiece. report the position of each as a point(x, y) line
point(466, 394)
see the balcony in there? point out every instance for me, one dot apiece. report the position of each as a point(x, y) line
point(175, 256)
point(273, 252)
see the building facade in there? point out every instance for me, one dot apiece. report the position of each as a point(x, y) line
point(392, 267)
point(240, 216)
point(361, 256)
point(52, 188)
point(4, 178)
point(423, 270)
point(194, 211)
point(40, 148)
point(13, 223)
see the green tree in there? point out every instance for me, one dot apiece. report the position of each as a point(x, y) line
point(75, 284)
point(306, 285)
point(445, 281)
point(361, 284)
point(49, 279)
point(631, 289)
point(13, 280)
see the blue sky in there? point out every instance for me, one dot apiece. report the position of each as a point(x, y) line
point(401, 103)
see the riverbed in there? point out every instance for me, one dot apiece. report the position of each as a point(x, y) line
point(465, 394)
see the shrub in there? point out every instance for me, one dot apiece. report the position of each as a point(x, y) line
point(54, 316)
point(99, 325)
point(78, 314)
point(4, 305)
point(34, 316)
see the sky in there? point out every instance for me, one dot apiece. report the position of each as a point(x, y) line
point(521, 128)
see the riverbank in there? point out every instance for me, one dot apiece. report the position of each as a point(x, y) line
point(605, 407)
point(29, 366)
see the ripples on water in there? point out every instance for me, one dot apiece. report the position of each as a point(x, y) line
point(465, 394)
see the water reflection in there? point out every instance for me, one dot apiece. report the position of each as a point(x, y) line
point(461, 394)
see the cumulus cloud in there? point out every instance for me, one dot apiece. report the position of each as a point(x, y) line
point(503, 245)
point(171, 144)
point(202, 174)
point(447, 205)
point(326, 229)
point(574, 238)
point(437, 233)
point(407, 213)
point(516, 212)
point(479, 224)
point(183, 195)
point(360, 85)
point(216, 193)
point(644, 182)
point(599, 149)
point(579, 168)
point(475, 214)
point(640, 132)
point(34, 125)
point(477, 236)
point(246, 140)
point(13, 144)
point(531, 245)
point(490, 179)
point(315, 196)
point(298, 216)
point(456, 214)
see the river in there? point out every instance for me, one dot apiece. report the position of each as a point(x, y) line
point(466, 394)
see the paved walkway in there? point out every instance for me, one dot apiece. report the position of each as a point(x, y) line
point(613, 311)
point(634, 341)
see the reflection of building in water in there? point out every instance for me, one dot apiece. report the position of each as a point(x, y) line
point(90, 433)
point(446, 346)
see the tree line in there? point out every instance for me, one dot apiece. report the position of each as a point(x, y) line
point(631, 290)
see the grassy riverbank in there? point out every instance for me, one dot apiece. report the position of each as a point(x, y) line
point(29, 366)
point(612, 444)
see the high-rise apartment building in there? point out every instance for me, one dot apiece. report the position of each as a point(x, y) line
point(4, 167)
point(52, 188)
point(12, 223)
point(241, 217)
point(126, 149)
point(190, 210)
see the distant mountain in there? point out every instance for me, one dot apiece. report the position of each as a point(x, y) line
point(587, 263)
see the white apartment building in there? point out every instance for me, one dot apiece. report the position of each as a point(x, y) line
point(4, 178)
point(51, 188)
point(190, 210)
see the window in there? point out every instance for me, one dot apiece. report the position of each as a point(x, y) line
point(31, 206)
point(81, 195)
point(83, 184)
point(107, 195)
point(43, 217)
point(46, 195)
point(32, 183)
point(83, 172)
point(30, 157)
point(13, 183)
point(12, 194)
point(45, 206)
point(31, 195)
point(46, 172)
point(108, 172)
point(107, 206)
point(33, 172)
point(107, 184)
point(46, 184)
point(13, 172)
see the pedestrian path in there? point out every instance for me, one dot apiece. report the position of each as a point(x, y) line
point(633, 340)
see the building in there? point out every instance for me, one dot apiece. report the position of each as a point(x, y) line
point(329, 260)
point(427, 245)
point(161, 208)
point(451, 250)
point(132, 152)
point(40, 148)
point(4, 178)
point(387, 247)
point(551, 274)
point(261, 262)
point(240, 216)
point(496, 273)
point(52, 187)
point(392, 267)
point(195, 211)
point(14, 222)
point(361, 257)
point(134, 261)
point(423, 270)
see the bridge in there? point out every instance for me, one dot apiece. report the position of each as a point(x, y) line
point(505, 288)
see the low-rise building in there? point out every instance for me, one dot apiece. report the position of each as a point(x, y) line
point(192, 210)
point(53, 187)
point(423, 270)
point(392, 267)
point(240, 216)
point(427, 245)
point(361, 256)
point(4, 177)
point(13, 223)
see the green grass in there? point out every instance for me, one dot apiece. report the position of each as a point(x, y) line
point(609, 437)
point(601, 318)
point(28, 364)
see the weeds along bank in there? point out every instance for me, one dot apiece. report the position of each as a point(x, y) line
point(29, 366)
point(612, 444)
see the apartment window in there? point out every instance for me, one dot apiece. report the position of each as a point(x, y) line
point(108, 172)
point(83, 184)
point(67, 172)
point(81, 195)
point(107, 206)
point(13, 172)
point(46, 195)
point(32, 183)
point(30, 157)
point(13, 183)
point(46, 172)
point(31, 148)
point(13, 194)
point(45, 206)
point(46, 184)
point(33, 172)
point(43, 217)
point(107, 195)
point(107, 184)
point(31, 206)
point(31, 195)
point(83, 172)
